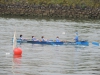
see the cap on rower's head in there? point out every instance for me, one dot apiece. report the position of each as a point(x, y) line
point(57, 37)
point(42, 37)
point(20, 35)
point(32, 36)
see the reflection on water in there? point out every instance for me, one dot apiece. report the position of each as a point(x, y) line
point(48, 59)
point(16, 64)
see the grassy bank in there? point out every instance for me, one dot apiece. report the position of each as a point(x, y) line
point(74, 3)
point(87, 9)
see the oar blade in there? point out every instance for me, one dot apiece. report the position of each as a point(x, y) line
point(95, 43)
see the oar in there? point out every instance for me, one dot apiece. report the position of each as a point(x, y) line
point(95, 43)
point(14, 40)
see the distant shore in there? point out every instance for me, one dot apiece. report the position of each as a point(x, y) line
point(52, 11)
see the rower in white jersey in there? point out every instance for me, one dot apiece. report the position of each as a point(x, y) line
point(43, 38)
point(21, 37)
point(34, 39)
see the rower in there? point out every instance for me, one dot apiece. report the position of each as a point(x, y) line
point(43, 38)
point(33, 38)
point(57, 39)
point(21, 37)
point(76, 38)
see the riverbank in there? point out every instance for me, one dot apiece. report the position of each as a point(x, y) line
point(51, 11)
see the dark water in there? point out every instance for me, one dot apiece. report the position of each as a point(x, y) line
point(48, 59)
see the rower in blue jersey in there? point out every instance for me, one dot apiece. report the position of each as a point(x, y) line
point(76, 37)
point(57, 39)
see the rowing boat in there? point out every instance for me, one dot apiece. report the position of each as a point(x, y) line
point(86, 43)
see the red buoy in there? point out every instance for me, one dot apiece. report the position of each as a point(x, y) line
point(17, 51)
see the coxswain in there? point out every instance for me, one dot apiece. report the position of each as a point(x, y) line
point(76, 38)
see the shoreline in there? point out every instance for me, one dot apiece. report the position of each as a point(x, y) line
point(50, 11)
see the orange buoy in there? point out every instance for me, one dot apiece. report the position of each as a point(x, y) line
point(17, 51)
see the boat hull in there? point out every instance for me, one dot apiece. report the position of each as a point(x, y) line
point(86, 43)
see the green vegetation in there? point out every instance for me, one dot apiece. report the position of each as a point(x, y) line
point(52, 8)
point(89, 3)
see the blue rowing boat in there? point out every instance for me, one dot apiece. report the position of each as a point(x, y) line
point(85, 43)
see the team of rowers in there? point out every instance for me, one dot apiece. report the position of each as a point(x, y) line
point(43, 39)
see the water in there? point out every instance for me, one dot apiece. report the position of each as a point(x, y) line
point(48, 59)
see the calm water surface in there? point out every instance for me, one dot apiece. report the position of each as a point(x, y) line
point(48, 59)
